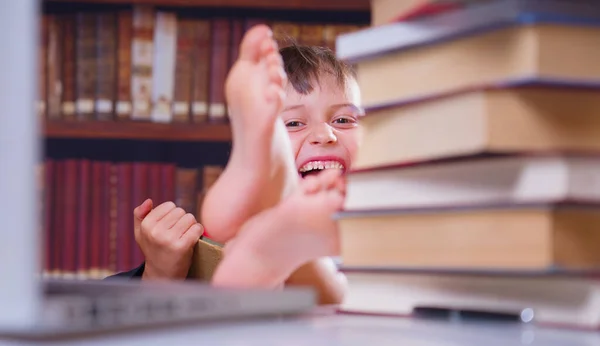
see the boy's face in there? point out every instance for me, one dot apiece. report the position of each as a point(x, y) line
point(323, 125)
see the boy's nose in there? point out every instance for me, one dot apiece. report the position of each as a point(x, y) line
point(322, 134)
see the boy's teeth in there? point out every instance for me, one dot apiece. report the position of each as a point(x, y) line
point(321, 165)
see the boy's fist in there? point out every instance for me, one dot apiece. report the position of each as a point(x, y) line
point(167, 236)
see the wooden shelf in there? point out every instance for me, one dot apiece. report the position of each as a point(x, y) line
point(322, 5)
point(139, 131)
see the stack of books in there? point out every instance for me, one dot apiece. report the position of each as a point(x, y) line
point(476, 188)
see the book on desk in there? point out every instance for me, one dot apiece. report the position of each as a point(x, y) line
point(476, 186)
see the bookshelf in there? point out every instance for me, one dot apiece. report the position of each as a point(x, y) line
point(100, 164)
point(138, 131)
point(321, 5)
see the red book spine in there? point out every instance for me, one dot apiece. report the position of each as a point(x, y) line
point(237, 33)
point(155, 184)
point(124, 217)
point(219, 66)
point(109, 218)
point(168, 182)
point(58, 230)
point(141, 173)
point(49, 207)
point(70, 214)
point(83, 219)
point(95, 224)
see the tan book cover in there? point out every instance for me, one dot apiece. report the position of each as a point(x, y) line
point(206, 258)
point(563, 53)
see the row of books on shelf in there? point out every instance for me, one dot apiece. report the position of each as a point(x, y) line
point(147, 64)
point(87, 210)
point(478, 179)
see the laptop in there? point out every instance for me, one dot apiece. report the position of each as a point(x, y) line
point(35, 307)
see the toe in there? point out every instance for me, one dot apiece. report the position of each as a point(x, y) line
point(253, 41)
point(274, 59)
point(329, 178)
point(310, 185)
point(267, 47)
point(277, 75)
point(334, 200)
point(276, 94)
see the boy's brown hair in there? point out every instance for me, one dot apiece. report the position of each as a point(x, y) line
point(305, 64)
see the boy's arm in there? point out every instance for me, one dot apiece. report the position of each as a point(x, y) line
point(322, 274)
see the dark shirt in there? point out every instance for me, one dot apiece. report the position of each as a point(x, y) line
point(132, 274)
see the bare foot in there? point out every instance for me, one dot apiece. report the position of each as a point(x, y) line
point(276, 242)
point(261, 169)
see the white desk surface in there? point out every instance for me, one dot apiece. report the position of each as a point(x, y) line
point(344, 330)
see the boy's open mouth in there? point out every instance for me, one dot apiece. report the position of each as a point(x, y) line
point(314, 167)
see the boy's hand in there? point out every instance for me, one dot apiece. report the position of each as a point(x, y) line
point(167, 236)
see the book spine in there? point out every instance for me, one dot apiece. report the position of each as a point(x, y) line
point(201, 72)
point(331, 32)
point(219, 63)
point(85, 41)
point(163, 68)
point(124, 217)
point(96, 217)
point(311, 35)
point(182, 95)
point(286, 33)
point(250, 22)
point(42, 66)
point(207, 177)
point(111, 254)
point(142, 55)
point(185, 188)
point(69, 67)
point(155, 183)
point(83, 244)
point(106, 60)
point(108, 250)
point(237, 33)
point(71, 200)
point(54, 80)
point(49, 207)
point(141, 187)
point(125, 33)
point(167, 176)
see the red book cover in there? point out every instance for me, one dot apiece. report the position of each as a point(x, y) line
point(427, 9)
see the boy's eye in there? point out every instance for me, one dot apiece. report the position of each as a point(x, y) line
point(293, 123)
point(345, 120)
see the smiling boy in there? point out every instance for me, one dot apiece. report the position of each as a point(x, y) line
point(299, 117)
point(289, 242)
